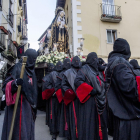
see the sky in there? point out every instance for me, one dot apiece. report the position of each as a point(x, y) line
point(40, 16)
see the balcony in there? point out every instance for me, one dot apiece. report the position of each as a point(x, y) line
point(12, 51)
point(11, 18)
point(2, 41)
point(110, 13)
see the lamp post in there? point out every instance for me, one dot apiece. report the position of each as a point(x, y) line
point(80, 49)
point(82, 42)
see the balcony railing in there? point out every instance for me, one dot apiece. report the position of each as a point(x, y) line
point(2, 41)
point(110, 13)
point(12, 51)
point(11, 17)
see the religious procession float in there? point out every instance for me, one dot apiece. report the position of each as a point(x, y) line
point(54, 48)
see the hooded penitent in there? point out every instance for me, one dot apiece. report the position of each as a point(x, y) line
point(89, 79)
point(67, 64)
point(70, 124)
point(29, 79)
point(92, 61)
point(26, 110)
point(58, 89)
point(122, 92)
point(135, 64)
point(76, 63)
point(121, 48)
point(51, 67)
point(101, 61)
point(59, 66)
point(101, 65)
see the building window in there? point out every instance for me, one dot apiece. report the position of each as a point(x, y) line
point(11, 16)
point(2, 39)
point(111, 36)
point(20, 2)
point(19, 26)
point(108, 7)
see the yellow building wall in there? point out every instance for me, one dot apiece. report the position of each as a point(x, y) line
point(94, 30)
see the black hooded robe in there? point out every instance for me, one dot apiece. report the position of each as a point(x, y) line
point(93, 125)
point(50, 69)
point(58, 89)
point(122, 93)
point(49, 93)
point(26, 110)
point(53, 102)
point(89, 118)
point(47, 101)
point(72, 103)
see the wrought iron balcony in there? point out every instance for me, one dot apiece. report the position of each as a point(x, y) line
point(11, 17)
point(12, 51)
point(110, 13)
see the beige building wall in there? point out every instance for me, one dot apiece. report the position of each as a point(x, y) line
point(90, 26)
point(5, 21)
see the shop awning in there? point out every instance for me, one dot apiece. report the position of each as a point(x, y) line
point(4, 30)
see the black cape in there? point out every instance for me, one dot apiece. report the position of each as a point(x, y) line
point(24, 124)
point(122, 93)
point(72, 109)
point(91, 106)
point(54, 111)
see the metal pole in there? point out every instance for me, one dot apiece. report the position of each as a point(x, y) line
point(17, 98)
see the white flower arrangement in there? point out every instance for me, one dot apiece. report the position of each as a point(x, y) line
point(82, 58)
point(53, 57)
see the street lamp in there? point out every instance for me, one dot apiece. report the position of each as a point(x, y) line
point(82, 42)
point(79, 51)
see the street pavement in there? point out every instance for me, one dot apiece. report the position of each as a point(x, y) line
point(41, 130)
